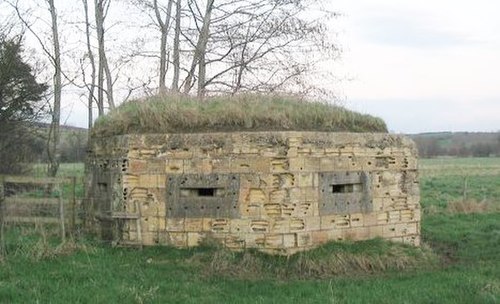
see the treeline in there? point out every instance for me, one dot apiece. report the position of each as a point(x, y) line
point(463, 144)
point(32, 148)
point(72, 146)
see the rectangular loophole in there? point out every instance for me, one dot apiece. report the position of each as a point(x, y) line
point(201, 192)
point(347, 188)
point(206, 192)
point(202, 195)
point(345, 192)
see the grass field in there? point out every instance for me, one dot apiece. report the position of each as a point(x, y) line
point(461, 224)
point(460, 183)
point(65, 170)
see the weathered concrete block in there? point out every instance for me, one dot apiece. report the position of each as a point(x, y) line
point(194, 239)
point(193, 224)
point(178, 239)
point(175, 224)
point(357, 233)
point(235, 241)
point(239, 226)
point(289, 240)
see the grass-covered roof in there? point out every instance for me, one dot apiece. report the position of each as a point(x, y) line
point(183, 114)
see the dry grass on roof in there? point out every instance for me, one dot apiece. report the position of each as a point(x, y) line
point(183, 114)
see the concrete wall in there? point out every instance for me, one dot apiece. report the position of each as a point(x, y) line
point(280, 192)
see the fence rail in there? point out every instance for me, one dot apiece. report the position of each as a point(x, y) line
point(39, 200)
point(21, 179)
point(28, 210)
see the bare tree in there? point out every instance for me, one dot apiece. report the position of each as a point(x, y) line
point(200, 49)
point(267, 45)
point(161, 16)
point(90, 55)
point(103, 72)
point(164, 25)
point(56, 109)
point(176, 50)
point(257, 45)
point(231, 46)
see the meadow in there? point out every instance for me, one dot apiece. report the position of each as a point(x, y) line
point(458, 262)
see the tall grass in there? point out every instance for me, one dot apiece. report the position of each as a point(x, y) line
point(179, 113)
point(39, 242)
point(330, 260)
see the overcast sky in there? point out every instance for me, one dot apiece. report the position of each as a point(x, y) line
point(422, 65)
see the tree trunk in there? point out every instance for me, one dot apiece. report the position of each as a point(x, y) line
point(241, 69)
point(92, 65)
point(202, 71)
point(56, 111)
point(177, 64)
point(164, 28)
point(201, 46)
point(100, 69)
point(100, 88)
point(163, 62)
point(103, 68)
point(109, 80)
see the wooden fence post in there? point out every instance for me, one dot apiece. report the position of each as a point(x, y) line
point(2, 211)
point(61, 213)
point(73, 205)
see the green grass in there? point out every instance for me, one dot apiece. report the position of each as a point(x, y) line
point(65, 170)
point(468, 246)
point(110, 275)
point(179, 113)
point(333, 259)
point(453, 235)
point(468, 181)
point(442, 167)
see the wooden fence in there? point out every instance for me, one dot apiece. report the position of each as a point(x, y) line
point(39, 200)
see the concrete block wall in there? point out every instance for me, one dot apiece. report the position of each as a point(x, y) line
point(280, 192)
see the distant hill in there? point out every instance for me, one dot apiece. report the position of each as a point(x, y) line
point(72, 145)
point(462, 144)
point(44, 125)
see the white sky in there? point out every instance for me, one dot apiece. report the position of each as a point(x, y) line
point(421, 65)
